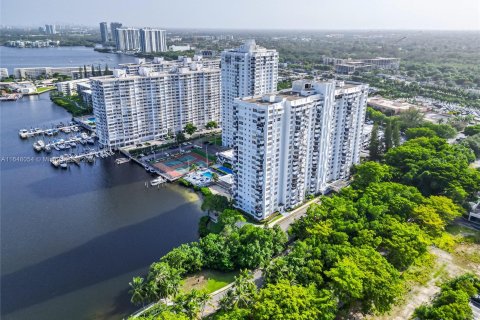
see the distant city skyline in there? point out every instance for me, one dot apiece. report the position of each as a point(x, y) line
point(250, 14)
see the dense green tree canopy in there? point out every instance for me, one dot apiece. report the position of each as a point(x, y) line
point(292, 302)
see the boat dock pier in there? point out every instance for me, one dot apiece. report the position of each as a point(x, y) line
point(25, 134)
point(61, 144)
point(63, 160)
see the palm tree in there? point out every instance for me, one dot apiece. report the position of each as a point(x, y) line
point(245, 288)
point(192, 304)
point(215, 177)
point(242, 294)
point(137, 291)
point(193, 167)
point(166, 278)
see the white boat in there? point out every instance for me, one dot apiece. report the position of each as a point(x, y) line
point(54, 162)
point(41, 143)
point(63, 165)
point(37, 147)
point(76, 129)
point(23, 133)
point(157, 181)
point(84, 135)
point(122, 160)
point(66, 130)
point(56, 147)
point(48, 149)
point(73, 144)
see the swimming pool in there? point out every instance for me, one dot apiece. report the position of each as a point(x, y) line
point(208, 174)
point(91, 119)
point(226, 170)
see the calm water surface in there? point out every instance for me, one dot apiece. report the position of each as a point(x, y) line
point(71, 240)
point(11, 58)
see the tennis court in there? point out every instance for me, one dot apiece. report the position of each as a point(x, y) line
point(179, 165)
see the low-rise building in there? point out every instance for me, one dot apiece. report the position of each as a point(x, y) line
point(3, 73)
point(69, 88)
point(48, 72)
point(186, 47)
point(393, 106)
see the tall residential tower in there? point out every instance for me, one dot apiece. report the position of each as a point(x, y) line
point(150, 105)
point(113, 29)
point(246, 71)
point(104, 32)
point(293, 143)
point(127, 39)
point(153, 40)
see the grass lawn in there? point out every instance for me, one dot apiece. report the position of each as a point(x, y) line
point(214, 227)
point(208, 280)
point(44, 89)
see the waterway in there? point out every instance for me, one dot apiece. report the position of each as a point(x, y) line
point(11, 58)
point(71, 240)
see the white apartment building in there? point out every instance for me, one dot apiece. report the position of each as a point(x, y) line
point(153, 40)
point(3, 73)
point(70, 87)
point(50, 29)
point(249, 70)
point(127, 39)
point(34, 73)
point(293, 143)
point(349, 119)
point(133, 108)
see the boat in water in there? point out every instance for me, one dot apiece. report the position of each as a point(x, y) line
point(157, 181)
point(63, 165)
point(122, 160)
point(23, 133)
point(39, 145)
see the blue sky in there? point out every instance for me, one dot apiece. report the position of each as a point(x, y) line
point(251, 14)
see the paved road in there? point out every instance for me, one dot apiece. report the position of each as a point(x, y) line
point(476, 310)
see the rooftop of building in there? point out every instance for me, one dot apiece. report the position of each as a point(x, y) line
point(161, 60)
point(146, 73)
point(300, 90)
point(249, 46)
point(396, 105)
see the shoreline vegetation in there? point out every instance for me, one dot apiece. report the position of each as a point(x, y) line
point(73, 104)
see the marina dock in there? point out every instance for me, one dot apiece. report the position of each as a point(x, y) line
point(28, 133)
point(63, 160)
